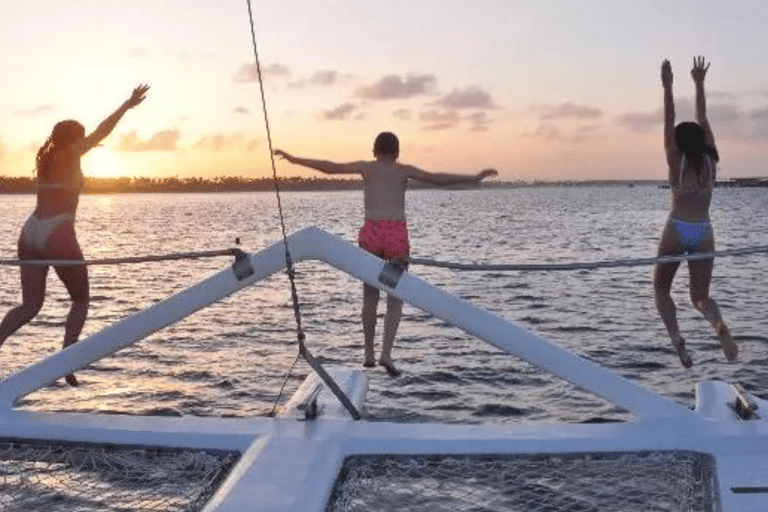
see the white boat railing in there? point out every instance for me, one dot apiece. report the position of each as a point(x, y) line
point(314, 244)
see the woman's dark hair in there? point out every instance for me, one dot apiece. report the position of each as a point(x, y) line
point(386, 143)
point(689, 137)
point(64, 133)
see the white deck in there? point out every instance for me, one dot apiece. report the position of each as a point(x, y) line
point(290, 464)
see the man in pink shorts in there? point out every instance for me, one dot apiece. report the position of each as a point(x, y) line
point(385, 232)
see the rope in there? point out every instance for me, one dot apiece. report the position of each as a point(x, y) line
point(589, 265)
point(301, 337)
point(131, 259)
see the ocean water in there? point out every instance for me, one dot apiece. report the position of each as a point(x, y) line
point(231, 359)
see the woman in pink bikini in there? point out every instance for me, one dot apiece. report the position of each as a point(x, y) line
point(49, 233)
point(385, 232)
point(692, 160)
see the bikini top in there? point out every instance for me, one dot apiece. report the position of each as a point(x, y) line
point(698, 187)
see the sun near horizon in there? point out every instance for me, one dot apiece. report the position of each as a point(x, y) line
point(551, 91)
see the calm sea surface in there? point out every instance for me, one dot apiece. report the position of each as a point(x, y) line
point(232, 358)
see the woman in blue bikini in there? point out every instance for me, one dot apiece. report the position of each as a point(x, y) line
point(49, 233)
point(692, 160)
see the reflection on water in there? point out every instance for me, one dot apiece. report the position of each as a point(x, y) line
point(232, 358)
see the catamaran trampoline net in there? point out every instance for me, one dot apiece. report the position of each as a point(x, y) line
point(611, 482)
point(79, 478)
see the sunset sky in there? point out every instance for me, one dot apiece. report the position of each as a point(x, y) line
point(538, 89)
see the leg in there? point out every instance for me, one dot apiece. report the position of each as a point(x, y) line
point(391, 323)
point(663, 275)
point(32, 294)
point(662, 283)
point(75, 278)
point(701, 276)
point(370, 305)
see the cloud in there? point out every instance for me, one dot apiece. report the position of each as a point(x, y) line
point(759, 114)
point(479, 121)
point(403, 114)
point(546, 131)
point(325, 78)
point(39, 110)
point(728, 121)
point(640, 121)
point(339, 113)
point(551, 133)
point(242, 110)
point(250, 73)
point(472, 97)
point(396, 87)
point(138, 52)
point(161, 141)
point(2, 148)
point(758, 124)
point(724, 113)
point(222, 142)
point(567, 110)
point(439, 120)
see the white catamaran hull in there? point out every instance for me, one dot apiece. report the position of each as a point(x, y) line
point(291, 463)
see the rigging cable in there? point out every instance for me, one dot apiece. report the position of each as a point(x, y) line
point(523, 267)
point(303, 351)
point(589, 265)
point(237, 253)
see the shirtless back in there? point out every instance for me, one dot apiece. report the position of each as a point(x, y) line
point(384, 190)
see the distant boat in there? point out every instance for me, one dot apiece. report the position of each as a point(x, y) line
point(744, 182)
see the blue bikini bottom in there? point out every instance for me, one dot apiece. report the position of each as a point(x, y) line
point(691, 234)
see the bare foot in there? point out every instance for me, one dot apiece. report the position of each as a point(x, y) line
point(71, 379)
point(729, 346)
point(391, 370)
point(682, 353)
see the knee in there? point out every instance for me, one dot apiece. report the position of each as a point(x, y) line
point(661, 288)
point(700, 301)
point(29, 310)
point(81, 300)
point(698, 295)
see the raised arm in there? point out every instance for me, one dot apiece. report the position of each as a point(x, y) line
point(320, 165)
point(698, 73)
point(444, 178)
point(670, 146)
point(107, 125)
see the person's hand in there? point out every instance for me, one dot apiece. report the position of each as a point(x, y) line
point(137, 96)
point(666, 73)
point(699, 70)
point(280, 152)
point(487, 173)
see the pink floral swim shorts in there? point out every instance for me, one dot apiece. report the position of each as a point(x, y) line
point(387, 239)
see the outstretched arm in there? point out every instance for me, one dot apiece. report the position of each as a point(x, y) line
point(444, 178)
point(698, 73)
point(320, 165)
point(107, 125)
point(670, 146)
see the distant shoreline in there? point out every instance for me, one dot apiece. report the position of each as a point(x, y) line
point(28, 185)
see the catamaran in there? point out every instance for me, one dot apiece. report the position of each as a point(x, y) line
point(320, 454)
